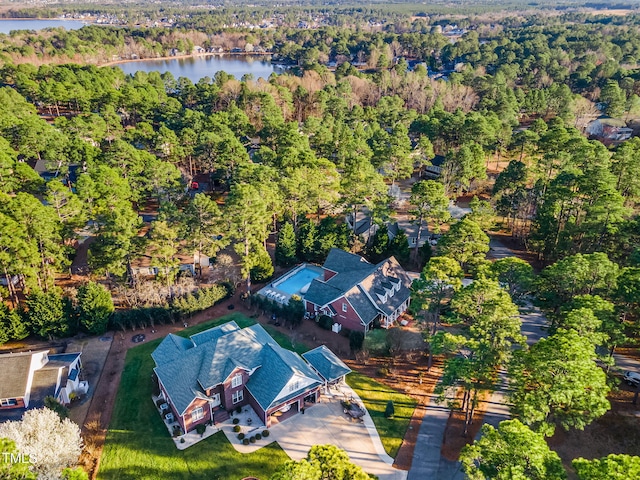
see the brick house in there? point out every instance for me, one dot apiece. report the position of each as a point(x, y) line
point(207, 376)
point(357, 294)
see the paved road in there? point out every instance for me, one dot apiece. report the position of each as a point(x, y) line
point(426, 456)
point(427, 461)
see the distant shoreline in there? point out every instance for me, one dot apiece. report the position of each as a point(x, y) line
point(178, 57)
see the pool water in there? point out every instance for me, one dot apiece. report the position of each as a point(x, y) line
point(295, 283)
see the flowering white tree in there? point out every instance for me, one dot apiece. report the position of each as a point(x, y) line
point(51, 443)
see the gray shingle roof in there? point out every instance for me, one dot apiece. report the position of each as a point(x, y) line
point(361, 303)
point(359, 281)
point(14, 383)
point(279, 365)
point(208, 364)
point(180, 377)
point(215, 332)
point(170, 348)
point(44, 384)
point(322, 293)
point(326, 363)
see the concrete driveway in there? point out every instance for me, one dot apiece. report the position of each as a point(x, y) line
point(326, 423)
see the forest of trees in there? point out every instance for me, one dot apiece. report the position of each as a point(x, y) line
point(327, 142)
point(501, 109)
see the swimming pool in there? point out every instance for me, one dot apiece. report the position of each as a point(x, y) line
point(296, 282)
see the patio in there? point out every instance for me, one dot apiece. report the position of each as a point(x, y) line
point(185, 440)
point(250, 425)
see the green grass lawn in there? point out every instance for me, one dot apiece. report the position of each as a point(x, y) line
point(138, 445)
point(375, 397)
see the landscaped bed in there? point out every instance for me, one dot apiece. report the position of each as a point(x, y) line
point(375, 396)
point(138, 445)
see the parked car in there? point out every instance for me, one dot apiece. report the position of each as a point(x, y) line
point(632, 378)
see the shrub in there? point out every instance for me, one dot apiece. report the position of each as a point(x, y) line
point(238, 409)
point(390, 410)
point(241, 436)
point(356, 339)
point(383, 371)
point(236, 421)
point(53, 404)
point(252, 439)
point(376, 342)
point(182, 440)
point(201, 428)
point(325, 322)
point(265, 433)
point(236, 428)
point(176, 431)
point(258, 436)
point(245, 441)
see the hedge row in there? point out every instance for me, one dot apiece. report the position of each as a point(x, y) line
point(179, 309)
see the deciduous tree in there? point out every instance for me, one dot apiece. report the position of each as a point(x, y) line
point(42, 435)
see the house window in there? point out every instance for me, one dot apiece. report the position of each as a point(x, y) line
point(344, 307)
point(197, 414)
point(413, 240)
point(237, 396)
point(215, 399)
point(294, 386)
point(236, 381)
point(8, 402)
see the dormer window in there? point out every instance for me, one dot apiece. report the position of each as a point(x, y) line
point(236, 381)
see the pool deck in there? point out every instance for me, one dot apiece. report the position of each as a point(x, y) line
point(272, 292)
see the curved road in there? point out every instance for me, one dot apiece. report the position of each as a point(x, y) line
point(427, 461)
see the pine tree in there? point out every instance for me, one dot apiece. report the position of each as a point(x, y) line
point(286, 246)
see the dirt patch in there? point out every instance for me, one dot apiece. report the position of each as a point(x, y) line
point(518, 249)
point(618, 431)
point(454, 438)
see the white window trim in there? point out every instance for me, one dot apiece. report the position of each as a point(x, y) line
point(215, 399)
point(344, 307)
point(236, 381)
point(8, 402)
point(237, 397)
point(197, 414)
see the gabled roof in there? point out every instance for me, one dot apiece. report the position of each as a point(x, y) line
point(214, 333)
point(17, 365)
point(187, 376)
point(279, 366)
point(170, 348)
point(358, 281)
point(326, 363)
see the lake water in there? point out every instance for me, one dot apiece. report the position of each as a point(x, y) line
point(195, 68)
point(6, 25)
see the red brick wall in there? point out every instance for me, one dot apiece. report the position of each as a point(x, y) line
point(348, 319)
point(188, 424)
point(227, 397)
point(176, 415)
point(328, 274)
point(255, 405)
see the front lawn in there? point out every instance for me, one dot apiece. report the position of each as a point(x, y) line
point(375, 396)
point(138, 445)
